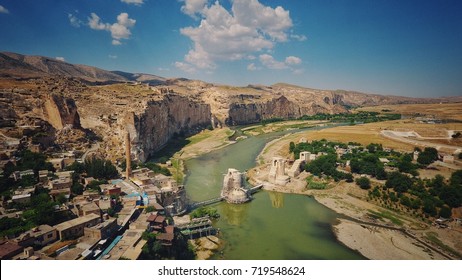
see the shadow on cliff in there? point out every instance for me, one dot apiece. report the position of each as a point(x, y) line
point(173, 146)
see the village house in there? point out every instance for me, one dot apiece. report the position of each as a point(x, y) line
point(75, 228)
point(21, 198)
point(38, 236)
point(9, 249)
point(110, 189)
point(157, 223)
point(60, 186)
point(108, 228)
point(18, 175)
point(43, 176)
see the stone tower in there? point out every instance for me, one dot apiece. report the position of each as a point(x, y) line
point(128, 159)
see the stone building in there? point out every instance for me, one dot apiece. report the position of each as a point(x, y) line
point(73, 229)
point(233, 190)
point(277, 174)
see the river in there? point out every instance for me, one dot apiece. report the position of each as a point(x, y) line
point(273, 225)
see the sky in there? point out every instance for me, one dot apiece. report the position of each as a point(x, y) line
point(406, 48)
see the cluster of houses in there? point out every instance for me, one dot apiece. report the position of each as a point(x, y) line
point(92, 233)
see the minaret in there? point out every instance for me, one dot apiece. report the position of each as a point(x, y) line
point(128, 160)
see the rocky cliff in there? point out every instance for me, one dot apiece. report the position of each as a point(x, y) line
point(61, 111)
point(163, 119)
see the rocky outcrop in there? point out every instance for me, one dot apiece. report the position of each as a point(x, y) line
point(163, 119)
point(61, 111)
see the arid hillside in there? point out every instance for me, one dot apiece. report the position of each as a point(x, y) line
point(55, 96)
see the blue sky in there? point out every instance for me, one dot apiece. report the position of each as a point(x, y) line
point(409, 48)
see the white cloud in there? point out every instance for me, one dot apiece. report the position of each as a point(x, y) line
point(74, 20)
point(135, 2)
point(60, 58)
point(111, 56)
point(3, 10)
point(252, 67)
point(193, 7)
point(293, 60)
point(119, 30)
point(186, 67)
point(300, 38)
point(222, 35)
point(95, 22)
point(271, 63)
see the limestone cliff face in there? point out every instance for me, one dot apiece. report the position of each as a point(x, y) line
point(279, 107)
point(163, 119)
point(61, 111)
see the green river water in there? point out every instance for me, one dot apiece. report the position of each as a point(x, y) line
point(273, 225)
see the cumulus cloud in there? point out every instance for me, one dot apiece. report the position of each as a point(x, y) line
point(135, 2)
point(3, 10)
point(248, 28)
point(193, 7)
point(76, 22)
point(293, 60)
point(119, 30)
point(60, 58)
point(271, 63)
point(111, 56)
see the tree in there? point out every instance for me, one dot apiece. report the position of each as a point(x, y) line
point(291, 147)
point(363, 182)
point(100, 169)
point(77, 188)
point(451, 196)
point(429, 207)
point(445, 212)
point(61, 199)
point(348, 177)
point(404, 200)
point(428, 156)
point(398, 181)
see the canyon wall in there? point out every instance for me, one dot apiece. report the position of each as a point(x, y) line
point(241, 113)
point(164, 119)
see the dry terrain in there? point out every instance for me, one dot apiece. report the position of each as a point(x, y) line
point(445, 111)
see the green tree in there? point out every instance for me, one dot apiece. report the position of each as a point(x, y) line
point(445, 212)
point(77, 188)
point(363, 182)
point(404, 200)
point(291, 147)
point(399, 182)
point(428, 156)
point(429, 207)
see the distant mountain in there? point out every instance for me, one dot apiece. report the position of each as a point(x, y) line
point(27, 66)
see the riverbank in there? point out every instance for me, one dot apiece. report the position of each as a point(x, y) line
point(374, 236)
